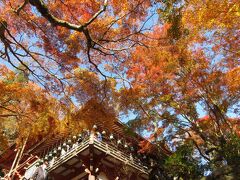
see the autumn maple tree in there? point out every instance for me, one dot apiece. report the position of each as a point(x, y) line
point(25, 109)
point(196, 70)
point(173, 65)
point(69, 48)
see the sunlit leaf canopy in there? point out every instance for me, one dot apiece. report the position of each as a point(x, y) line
point(160, 65)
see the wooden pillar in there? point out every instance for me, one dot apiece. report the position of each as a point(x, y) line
point(91, 175)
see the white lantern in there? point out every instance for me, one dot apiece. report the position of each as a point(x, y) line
point(111, 137)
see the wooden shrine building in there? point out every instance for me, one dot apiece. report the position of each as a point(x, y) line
point(91, 154)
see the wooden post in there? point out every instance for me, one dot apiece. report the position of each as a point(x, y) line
point(18, 158)
point(13, 164)
point(91, 175)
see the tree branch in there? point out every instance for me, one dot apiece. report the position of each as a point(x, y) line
point(42, 8)
point(7, 115)
point(17, 11)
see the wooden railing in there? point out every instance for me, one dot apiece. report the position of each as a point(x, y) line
point(103, 146)
point(69, 154)
point(120, 155)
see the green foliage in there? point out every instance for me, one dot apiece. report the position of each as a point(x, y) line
point(183, 164)
point(231, 151)
point(170, 12)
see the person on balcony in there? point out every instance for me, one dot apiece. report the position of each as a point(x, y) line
point(99, 136)
point(41, 172)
